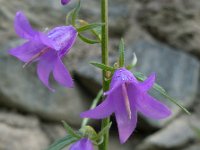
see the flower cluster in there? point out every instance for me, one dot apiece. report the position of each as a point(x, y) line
point(125, 98)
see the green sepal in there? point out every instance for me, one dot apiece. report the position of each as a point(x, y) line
point(121, 53)
point(102, 66)
point(75, 13)
point(103, 132)
point(89, 27)
point(87, 40)
point(62, 143)
point(161, 90)
point(88, 132)
point(70, 131)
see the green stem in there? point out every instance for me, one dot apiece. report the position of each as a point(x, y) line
point(104, 51)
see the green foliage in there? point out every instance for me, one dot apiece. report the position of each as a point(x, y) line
point(89, 27)
point(70, 131)
point(121, 53)
point(102, 66)
point(62, 143)
point(87, 40)
point(161, 90)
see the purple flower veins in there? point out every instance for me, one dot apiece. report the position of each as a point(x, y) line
point(126, 97)
point(46, 49)
point(82, 144)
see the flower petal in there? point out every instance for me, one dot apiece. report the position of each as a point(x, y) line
point(61, 74)
point(24, 30)
point(45, 66)
point(101, 111)
point(65, 2)
point(83, 144)
point(148, 83)
point(151, 107)
point(126, 125)
point(22, 26)
point(26, 51)
point(65, 37)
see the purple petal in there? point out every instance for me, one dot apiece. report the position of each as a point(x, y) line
point(83, 144)
point(65, 37)
point(64, 2)
point(150, 107)
point(26, 51)
point(24, 30)
point(23, 27)
point(61, 74)
point(45, 66)
point(126, 125)
point(148, 83)
point(101, 111)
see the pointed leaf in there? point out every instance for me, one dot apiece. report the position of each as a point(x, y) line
point(161, 90)
point(102, 66)
point(87, 40)
point(70, 130)
point(75, 13)
point(62, 143)
point(89, 27)
point(121, 53)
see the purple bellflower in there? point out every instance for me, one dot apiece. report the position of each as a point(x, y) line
point(65, 2)
point(46, 49)
point(126, 97)
point(82, 144)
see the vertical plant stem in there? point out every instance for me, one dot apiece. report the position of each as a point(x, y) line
point(105, 53)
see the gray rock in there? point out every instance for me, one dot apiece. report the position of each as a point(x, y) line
point(21, 133)
point(193, 147)
point(175, 136)
point(21, 89)
point(169, 22)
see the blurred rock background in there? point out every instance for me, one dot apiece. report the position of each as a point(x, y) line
point(164, 34)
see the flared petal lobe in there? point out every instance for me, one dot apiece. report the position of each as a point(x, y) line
point(45, 66)
point(61, 74)
point(23, 27)
point(26, 51)
point(151, 108)
point(148, 83)
point(126, 125)
point(83, 144)
point(103, 110)
point(65, 2)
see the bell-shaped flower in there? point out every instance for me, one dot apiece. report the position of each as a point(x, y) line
point(65, 2)
point(82, 144)
point(126, 97)
point(46, 49)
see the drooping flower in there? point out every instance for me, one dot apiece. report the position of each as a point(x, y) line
point(126, 97)
point(65, 2)
point(46, 49)
point(83, 144)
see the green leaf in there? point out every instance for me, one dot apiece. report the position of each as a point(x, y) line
point(62, 143)
point(104, 131)
point(161, 90)
point(87, 40)
point(121, 53)
point(89, 27)
point(70, 130)
point(102, 66)
point(75, 13)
